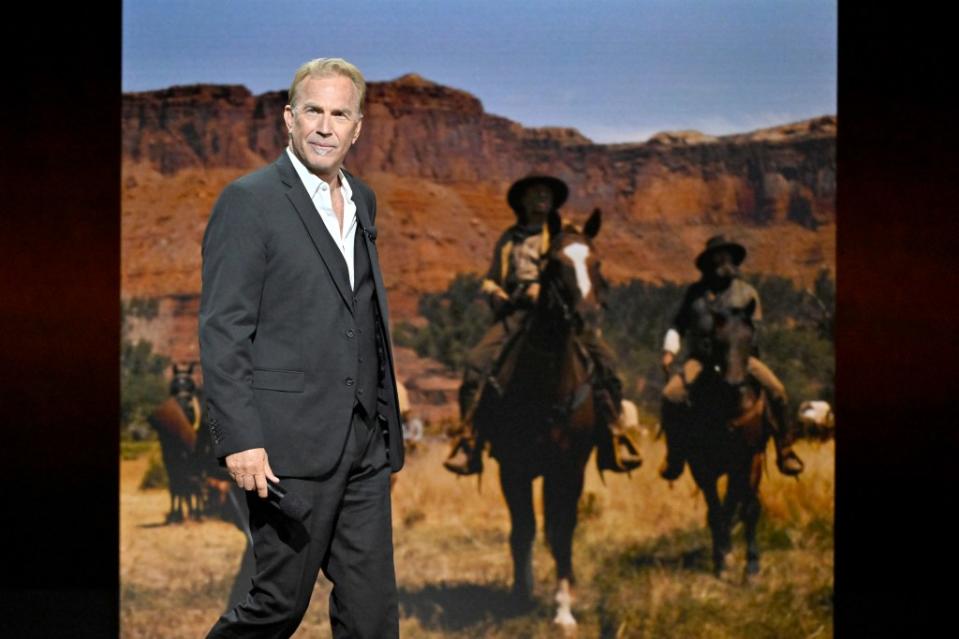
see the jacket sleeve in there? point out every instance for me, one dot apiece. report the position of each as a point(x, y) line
point(494, 276)
point(672, 341)
point(234, 267)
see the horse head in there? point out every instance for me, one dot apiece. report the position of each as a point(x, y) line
point(182, 385)
point(571, 281)
point(733, 332)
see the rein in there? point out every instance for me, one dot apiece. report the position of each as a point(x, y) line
point(574, 320)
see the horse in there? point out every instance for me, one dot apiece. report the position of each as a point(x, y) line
point(728, 424)
point(195, 480)
point(540, 420)
point(176, 422)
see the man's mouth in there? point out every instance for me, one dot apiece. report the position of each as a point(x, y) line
point(322, 149)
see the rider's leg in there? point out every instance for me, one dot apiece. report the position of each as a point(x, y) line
point(466, 456)
point(617, 450)
point(674, 409)
point(787, 460)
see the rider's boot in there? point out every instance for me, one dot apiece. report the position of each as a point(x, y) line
point(466, 456)
point(787, 461)
point(617, 449)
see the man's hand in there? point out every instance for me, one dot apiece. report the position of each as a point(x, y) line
point(250, 469)
point(497, 299)
point(667, 360)
point(532, 291)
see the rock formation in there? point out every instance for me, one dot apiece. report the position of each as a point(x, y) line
point(441, 165)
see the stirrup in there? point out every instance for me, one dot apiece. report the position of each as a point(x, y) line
point(614, 461)
point(473, 462)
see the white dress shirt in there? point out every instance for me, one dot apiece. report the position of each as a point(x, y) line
point(319, 192)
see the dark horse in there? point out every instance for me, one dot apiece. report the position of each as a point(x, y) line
point(728, 426)
point(542, 421)
point(177, 422)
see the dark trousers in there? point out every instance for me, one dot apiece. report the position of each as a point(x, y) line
point(348, 535)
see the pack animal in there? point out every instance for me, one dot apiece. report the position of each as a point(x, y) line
point(176, 422)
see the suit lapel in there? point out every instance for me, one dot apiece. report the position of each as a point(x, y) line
point(329, 253)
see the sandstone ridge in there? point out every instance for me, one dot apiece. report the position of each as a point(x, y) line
point(441, 165)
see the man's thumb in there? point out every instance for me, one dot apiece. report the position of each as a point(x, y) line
point(269, 471)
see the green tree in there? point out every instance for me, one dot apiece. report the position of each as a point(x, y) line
point(455, 321)
point(142, 384)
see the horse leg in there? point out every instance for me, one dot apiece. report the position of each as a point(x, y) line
point(188, 498)
point(752, 508)
point(176, 508)
point(518, 491)
point(718, 527)
point(561, 492)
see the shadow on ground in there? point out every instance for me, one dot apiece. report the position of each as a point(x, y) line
point(686, 550)
point(454, 607)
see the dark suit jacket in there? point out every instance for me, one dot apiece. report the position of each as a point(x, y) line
point(276, 325)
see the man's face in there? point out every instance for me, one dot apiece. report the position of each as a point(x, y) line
point(537, 202)
point(723, 265)
point(324, 123)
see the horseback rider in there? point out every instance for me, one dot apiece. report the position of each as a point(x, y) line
point(512, 288)
point(719, 289)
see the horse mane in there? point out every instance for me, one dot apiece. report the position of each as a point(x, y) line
point(571, 229)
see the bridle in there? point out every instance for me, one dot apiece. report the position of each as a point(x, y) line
point(554, 288)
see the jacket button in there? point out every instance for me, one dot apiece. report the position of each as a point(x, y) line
point(349, 333)
point(349, 381)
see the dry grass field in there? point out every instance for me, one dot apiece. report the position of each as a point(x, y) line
point(642, 554)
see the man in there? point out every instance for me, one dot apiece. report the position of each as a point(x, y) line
point(719, 288)
point(512, 287)
point(298, 368)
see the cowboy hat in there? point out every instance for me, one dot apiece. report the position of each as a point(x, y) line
point(556, 185)
point(720, 243)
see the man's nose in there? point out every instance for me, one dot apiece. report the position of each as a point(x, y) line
point(324, 124)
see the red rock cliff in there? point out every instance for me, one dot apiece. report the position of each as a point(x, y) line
point(441, 165)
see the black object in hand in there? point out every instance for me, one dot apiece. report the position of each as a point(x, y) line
point(290, 505)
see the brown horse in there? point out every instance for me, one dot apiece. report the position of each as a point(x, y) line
point(176, 422)
point(728, 424)
point(541, 423)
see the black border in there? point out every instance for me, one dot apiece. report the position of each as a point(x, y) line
point(896, 330)
point(60, 244)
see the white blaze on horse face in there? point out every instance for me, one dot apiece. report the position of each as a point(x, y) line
point(578, 254)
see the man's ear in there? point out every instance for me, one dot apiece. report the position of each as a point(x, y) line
point(359, 127)
point(554, 223)
point(595, 220)
point(288, 117)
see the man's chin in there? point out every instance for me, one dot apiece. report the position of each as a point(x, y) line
point(323, 166)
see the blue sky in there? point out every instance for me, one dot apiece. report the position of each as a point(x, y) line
point(617, 70)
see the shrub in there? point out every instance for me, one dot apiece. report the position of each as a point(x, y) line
point(142, 384)
point(455, 321)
